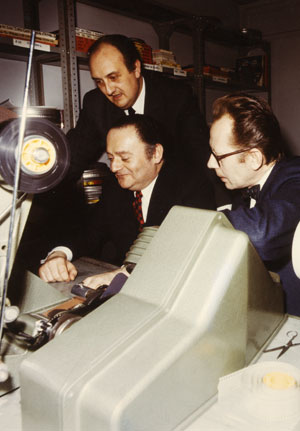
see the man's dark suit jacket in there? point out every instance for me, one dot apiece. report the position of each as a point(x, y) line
point(271, 224)
point(169, 101)
point(114, 220)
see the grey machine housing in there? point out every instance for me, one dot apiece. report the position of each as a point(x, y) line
point(199, 304)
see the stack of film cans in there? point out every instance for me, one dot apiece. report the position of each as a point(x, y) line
point(93, 179)
point(144, 50)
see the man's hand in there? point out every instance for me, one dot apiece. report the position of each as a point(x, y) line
point(105, 278)
point(57, 268)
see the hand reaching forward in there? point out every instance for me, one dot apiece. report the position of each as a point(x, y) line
point(57, 268)
point(105, 278)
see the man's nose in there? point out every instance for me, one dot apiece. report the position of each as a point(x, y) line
point(115, 165)
point(109, 88)
point(212, 162)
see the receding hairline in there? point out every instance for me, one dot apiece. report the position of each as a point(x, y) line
point(106, 45)
point(103, 46)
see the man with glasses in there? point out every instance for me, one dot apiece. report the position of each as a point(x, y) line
point(247, 154)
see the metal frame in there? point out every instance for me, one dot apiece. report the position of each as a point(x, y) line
point(199, 27)
point(69, 67)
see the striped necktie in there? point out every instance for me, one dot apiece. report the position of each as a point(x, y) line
point(137, 206)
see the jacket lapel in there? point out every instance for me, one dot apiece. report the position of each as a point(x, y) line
point(153, 102)
point(161, 197)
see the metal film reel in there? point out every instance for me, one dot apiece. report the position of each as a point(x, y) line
point(45, 156)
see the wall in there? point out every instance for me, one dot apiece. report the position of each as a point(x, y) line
point(279, 22)
point(12, 72)
point(12, 13)
point(226, 10)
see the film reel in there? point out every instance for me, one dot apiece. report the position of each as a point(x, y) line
point(266, 394)
point(45, 155)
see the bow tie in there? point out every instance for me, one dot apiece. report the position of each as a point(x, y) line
point(131, 111)
point(251, 192)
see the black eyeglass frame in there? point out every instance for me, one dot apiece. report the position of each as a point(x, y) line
point(223, 156)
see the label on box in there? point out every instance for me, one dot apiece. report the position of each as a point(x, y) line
point(156, 67)
point(220, 79)
point(26, 44)
point(179, 72)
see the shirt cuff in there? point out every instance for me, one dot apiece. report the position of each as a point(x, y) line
point(65, 250)
point(225, 207)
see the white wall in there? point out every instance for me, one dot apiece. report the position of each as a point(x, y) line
point(12, 81)
point(53, 85)
point(12, 72)
point(11, 12)
point(279, 22)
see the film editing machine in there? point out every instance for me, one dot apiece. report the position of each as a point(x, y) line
point(198, 307)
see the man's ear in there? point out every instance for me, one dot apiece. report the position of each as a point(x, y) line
point(137, 68)
point(158, 153)
point(256, 159)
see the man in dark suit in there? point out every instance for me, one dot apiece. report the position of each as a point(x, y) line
point(136, 153)
point(247, 154)
point(116, 69)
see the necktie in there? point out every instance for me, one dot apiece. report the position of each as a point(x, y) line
point(137, 206)
point(131, 111)
point(250, 193)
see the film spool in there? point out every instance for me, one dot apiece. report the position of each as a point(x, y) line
point(47, 113)
point(267, 392)
point(45, 155)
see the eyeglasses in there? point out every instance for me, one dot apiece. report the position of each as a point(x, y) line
point(223, 156)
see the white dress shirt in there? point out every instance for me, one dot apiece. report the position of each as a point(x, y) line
point(261, 184)
point(252, 201)
point(139, 104)
point(147, 192)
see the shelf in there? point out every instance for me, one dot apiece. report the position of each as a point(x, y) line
point(233, 86)
point(155, 13)
point(170, 71)
point(164, 20)
point(12, 47)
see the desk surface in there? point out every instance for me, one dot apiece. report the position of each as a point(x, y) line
point(213, 419)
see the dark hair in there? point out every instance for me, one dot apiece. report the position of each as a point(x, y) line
point(124, 44)
point(147, 129)
point(255, 125)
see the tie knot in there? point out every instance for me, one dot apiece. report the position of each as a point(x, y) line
point(131, 111)
point(138, 195)
point(251, 192)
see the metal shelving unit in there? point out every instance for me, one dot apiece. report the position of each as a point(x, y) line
point(164, 20)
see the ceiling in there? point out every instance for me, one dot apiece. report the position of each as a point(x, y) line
point(245, 2)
